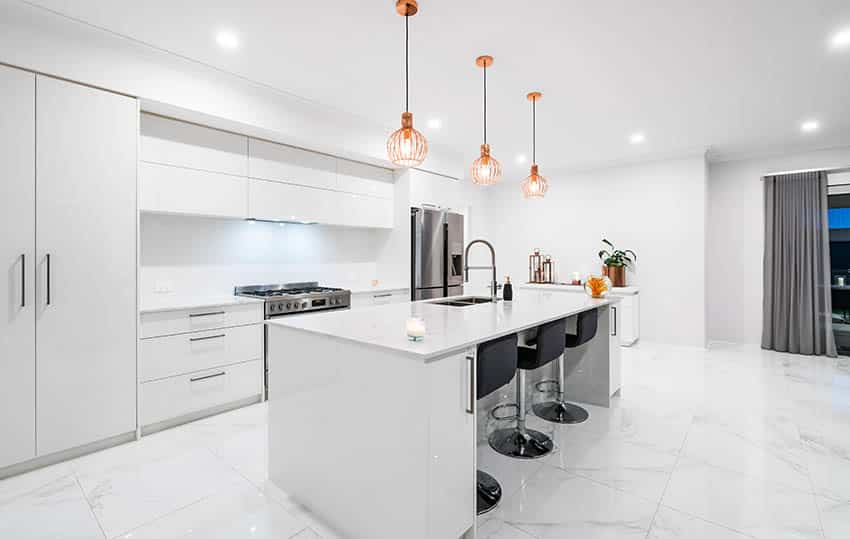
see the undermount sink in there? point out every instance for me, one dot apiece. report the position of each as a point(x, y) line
point(465, 301)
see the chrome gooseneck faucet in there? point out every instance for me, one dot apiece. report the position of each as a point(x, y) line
point(492, 266)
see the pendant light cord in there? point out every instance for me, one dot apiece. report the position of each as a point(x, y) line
point(534, 131)
point(406, 65)
point(485, 102)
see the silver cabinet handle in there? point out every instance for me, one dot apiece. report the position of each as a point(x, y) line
point(207, 377)
point(615, 321)
point(219, 336)
point(23, 280)
point(47, 288)
point(197, 315)
point(470, 373)
point(382, 295)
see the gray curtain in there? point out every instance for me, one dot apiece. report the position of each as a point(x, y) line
point(797, 292)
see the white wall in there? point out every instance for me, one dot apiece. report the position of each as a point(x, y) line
point(656, 209)
point(199, 256)
point(735, 244)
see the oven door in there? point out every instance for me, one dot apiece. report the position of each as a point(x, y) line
point(266, 340)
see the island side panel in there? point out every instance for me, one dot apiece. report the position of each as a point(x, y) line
point(348, 433)
point(591, 382)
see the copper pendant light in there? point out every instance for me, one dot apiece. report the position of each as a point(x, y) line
point(407, 147)
point(535, 185)
point(486, 170)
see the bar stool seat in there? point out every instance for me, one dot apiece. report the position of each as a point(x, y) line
point(521, 442)
point(495, 366)
point(560, 411)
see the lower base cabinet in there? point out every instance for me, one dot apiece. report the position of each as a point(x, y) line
point(184, 395)
point(198, 361)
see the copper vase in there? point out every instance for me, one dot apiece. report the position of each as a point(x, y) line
point(617, 274)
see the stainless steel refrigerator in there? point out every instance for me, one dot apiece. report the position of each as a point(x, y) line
point(436, 261)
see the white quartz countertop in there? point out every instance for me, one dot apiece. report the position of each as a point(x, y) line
point(448, 329)
point(615, 291)
point(181, 303)
point(377, 289)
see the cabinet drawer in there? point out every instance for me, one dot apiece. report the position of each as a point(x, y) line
point(159, 324)
point(189, 352)
point(180, 395)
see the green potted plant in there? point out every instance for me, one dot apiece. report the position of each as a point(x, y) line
point(615, 262)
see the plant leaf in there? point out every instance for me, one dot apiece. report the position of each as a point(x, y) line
point(608, 243)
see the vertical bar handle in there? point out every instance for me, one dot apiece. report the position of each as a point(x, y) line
point(470, 375)
point(47, 289)
point(615, 321)
point(23, 279)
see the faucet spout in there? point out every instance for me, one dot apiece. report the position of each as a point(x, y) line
point(492, 266)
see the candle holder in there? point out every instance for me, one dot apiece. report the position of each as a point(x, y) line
point(415, 328)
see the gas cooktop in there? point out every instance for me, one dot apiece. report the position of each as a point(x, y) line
point(293, 298)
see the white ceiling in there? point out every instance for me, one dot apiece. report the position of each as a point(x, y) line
point(738, 76)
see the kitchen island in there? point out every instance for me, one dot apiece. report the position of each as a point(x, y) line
point(376, 434)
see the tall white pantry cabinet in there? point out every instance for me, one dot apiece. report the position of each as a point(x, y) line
point(68, 247)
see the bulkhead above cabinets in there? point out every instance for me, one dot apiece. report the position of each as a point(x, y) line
point(195, 170)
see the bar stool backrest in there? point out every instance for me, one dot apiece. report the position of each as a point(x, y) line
point(586, 326)
point(550, 341)
point(496, 364)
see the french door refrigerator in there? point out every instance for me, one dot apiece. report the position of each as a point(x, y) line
point(436, 261)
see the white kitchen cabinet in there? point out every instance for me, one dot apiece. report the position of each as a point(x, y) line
point(181, 144)
point(379, 297)
point(427, 189)
point(280, 163)
point(179, 396)
point(86, 145)
point(363, 179)
point(17, 254)
point(363, 211)
point(196, 361)
point(451, 455)
point(274, 201)
point(615, 374)
point(170, 189)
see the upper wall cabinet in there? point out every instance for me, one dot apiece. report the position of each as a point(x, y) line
point(362, 179)
point(276, 162)
point(171, 142)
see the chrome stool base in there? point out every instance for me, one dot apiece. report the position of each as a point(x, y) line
point(513, 443)
point(489, 492)
point(560, 412)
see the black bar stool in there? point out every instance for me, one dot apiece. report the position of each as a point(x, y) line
point(521, 442)
point(495, 365)
point(560, 411)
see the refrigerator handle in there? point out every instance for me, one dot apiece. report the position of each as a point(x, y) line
point(415, 251)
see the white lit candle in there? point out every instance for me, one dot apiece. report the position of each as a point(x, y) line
point(415, 329)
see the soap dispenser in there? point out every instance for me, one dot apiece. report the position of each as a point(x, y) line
point(508, 290)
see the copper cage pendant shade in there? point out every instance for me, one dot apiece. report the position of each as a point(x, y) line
point(486, 170)
point(535, 185)
point(407, 147)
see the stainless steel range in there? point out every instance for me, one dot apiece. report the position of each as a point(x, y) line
point(294, 298)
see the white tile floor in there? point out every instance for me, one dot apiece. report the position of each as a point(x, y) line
point(728, 443)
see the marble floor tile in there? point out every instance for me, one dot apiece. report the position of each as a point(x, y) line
point(511, 473)
point(23, 484)
point(672, 524)
point(555, 504)
point(835, 517)
point(761, 451)
point(613, 461)
point(124, 498)
point(242, 512)
point(829, 473)
point(740, 502)
point(57, 509)
point(494, 527)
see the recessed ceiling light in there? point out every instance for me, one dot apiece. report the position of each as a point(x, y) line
point(809, 126)
point(435, 123)
point(521, 159)
point(841, 40)
point(637, 138)
point(227, 40)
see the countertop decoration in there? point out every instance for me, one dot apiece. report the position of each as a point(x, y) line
point(597, 286)
point(415, 329)
point(615, 262)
